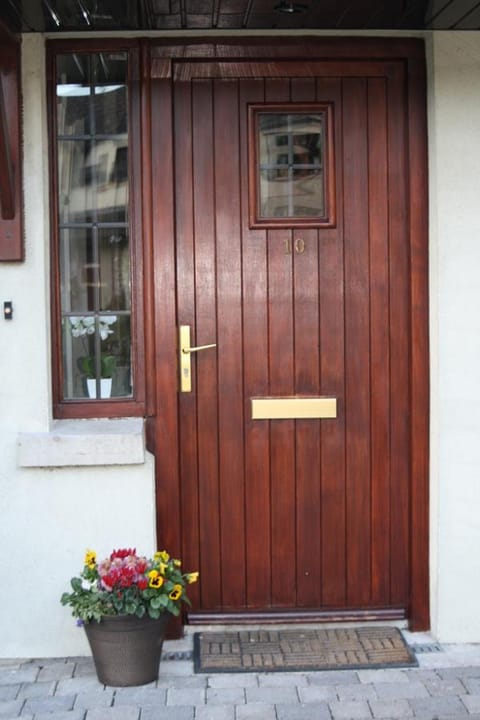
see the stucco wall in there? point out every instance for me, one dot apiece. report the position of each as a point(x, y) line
point(48, 516)
point(454, 139)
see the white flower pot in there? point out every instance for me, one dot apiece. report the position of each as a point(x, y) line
point(105, 387)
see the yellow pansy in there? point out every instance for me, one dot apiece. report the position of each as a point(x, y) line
point(177, 563)
point(90, 559)
point(155, 580)
point(192, 577)
point(162, 556)
point(176, 592)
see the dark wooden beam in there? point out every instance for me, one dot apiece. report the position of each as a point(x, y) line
point(11, 210)
point(7, 186)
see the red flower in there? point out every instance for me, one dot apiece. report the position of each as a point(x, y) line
point(142, 583)
point(123, 553)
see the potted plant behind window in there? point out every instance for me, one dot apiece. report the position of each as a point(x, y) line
point(125, 603)
point(82, 327)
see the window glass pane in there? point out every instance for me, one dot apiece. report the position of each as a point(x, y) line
point(114, 267)
point(93, 196)
point(96, 356)
point(290, 164)
point(78, 269)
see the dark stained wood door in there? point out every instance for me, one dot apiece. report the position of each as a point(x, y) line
point(309, 517)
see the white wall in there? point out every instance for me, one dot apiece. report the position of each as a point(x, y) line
point(454, 139)
point(48, 516)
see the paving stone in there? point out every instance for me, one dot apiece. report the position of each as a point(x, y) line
point(396, 691)
point(140, 696)
point(333, 677)
point(472, 703)
point(10, 708)
point(56, 671)
point(469, 671)
point(311, 711)
point(272, 695)
point(11, 663)
point(226, 696)
point(350, 710)
point(14, 676)
point(164, 713)
point(256, 711)
point(280, 679)
point(49, 704)
point(65, 715)
point(84, 667)
point(382, 675)
point(38, 689)
point(122, 712)
point(317, 693)
point(77, 685)
point(176, 667)
point(88, 700)
point(196, 681)
point(444, 687)
point(220, 712)
point(9, 692)
point(226, 680)
point(356, 692)
point(185, 696)
point(390, 708)
point(439, 707)
point(471, 684)
point(421, 675)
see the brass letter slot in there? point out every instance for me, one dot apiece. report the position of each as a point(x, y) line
point(293, 408)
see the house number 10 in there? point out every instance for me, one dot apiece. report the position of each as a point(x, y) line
point(299, 246)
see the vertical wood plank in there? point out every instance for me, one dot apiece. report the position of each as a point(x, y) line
point(185, 253)
point(282, 438)
point(419, 428)
point(379, 339)
point(357, 333)
point(166, 423)
point(205, 384)
point(332, 373)
point(229, 329)
point(307, 381)
point(399, 338)
point(255, 369)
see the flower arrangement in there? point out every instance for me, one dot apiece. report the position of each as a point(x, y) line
point(84, 325)
point(128, 584)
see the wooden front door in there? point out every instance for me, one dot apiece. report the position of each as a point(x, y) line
point(310, 517)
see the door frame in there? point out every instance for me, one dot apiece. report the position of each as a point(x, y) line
point(160, 59)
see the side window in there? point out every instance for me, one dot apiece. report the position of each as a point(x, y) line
point(93, 228)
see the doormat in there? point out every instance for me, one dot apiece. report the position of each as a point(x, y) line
point(292, 650)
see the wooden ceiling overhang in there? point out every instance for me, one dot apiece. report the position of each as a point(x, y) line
point(53, 16)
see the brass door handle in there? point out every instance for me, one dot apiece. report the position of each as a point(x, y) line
point(199, 347)
point(185, 351)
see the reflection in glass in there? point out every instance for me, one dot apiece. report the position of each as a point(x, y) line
point(291, 150)
point(93, 196)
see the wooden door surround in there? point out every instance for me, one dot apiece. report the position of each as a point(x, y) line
point(373, 260)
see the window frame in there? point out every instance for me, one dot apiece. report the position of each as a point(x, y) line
point(256, 219)
point(111, 407)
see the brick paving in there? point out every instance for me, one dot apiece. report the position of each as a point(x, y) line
point(445, 686)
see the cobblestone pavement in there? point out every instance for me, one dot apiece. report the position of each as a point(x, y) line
point(446, 685)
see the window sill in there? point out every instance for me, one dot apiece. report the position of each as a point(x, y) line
point(84, 442)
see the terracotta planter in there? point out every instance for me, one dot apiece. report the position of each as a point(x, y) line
point(126, 650)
